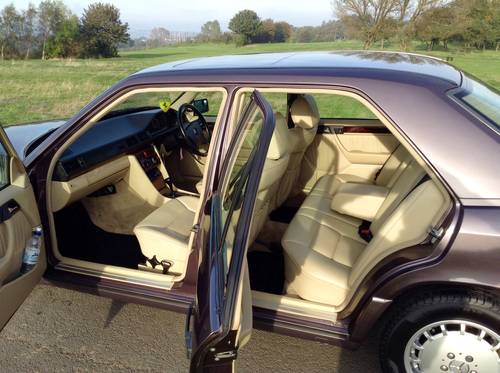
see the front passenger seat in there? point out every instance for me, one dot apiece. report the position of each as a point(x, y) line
point(305, 117)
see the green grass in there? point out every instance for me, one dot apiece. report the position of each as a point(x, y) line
point(43, 90)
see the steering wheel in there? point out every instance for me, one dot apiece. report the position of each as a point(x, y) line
point(196, 132)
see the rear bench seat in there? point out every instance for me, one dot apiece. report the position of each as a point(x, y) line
point(325, 256)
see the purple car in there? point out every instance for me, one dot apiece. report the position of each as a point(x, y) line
point(321, 195)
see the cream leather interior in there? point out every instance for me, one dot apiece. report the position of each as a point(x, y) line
point(326, 258)
point(359, 155)
point(305, 116)
point(275, 166)
point(165, 232)
point(359, 200)
point(14, 233)
point(387, 175)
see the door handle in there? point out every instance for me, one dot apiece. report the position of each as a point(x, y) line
point(8, 210)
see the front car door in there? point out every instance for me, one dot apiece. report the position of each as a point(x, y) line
point(221, 318)
point(18, 217)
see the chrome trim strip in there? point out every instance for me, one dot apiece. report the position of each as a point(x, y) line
point(380, 300)
point(164, 285)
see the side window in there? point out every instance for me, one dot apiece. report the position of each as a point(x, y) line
point(341, 107)
point(278, 102)
point(236, 177)
point(4, 167)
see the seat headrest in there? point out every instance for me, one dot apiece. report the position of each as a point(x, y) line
point(278, 147)
point(304, 112)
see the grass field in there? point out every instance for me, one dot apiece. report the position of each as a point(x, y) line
point(42, 90)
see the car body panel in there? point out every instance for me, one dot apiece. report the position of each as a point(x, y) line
point(412, 93)
point(22, 135)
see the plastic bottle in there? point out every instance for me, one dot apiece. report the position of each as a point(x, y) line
point(32, 251)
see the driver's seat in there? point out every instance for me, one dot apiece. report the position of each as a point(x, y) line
point(165, 232)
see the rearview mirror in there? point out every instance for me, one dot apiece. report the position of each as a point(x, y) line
point(201, 104)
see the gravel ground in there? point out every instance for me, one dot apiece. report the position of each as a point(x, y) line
point(61, 330)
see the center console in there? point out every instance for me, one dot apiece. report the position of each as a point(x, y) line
point(150, 163)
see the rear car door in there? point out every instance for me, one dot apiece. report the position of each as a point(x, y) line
point(220, 321)
point(18, 217)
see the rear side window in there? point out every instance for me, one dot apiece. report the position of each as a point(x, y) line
point(341, 107)
point(4, 167)
point(483, 100)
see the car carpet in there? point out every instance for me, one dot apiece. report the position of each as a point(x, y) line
point(79, 238)
point(284, 214)
point(267, 269)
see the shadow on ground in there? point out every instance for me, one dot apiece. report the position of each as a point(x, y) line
point(61, 330)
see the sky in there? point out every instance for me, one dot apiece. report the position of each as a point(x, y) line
point(189, 15)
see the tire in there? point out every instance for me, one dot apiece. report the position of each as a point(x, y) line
point(445, 349)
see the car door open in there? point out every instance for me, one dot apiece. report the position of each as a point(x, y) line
point(220, 320)
point(18, 217)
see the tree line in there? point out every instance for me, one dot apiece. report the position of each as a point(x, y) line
point(473, 23)
point(51, 30)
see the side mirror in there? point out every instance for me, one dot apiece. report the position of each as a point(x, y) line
point(201, 104)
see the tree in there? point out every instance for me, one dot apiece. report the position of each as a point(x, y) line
point(304, 34)
point(246, 24)
point(482, 23)
point(266, 33)
point(66, 42)
point(369, 16)
point(10, 28)
point(436, 25)
point(50, 15)
point(409, 13)
point(158, 37)
point(28, 30)
point(102, 30)
point(283, 32)
point(210, 31)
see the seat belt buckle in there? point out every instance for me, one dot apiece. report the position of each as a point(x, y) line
point(364, 231)
point(365, 234)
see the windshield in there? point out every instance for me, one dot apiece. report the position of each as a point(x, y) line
point(143, 102)
point(483, 100)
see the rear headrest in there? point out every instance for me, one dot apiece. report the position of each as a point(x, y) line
point(278, 147)
point(304, 112)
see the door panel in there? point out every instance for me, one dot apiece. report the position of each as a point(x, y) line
point(18, 216)
point(222, 314)
point(356, 147)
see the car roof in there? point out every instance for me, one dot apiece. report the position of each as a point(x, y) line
point(361, 61)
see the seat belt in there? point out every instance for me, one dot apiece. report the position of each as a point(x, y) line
point(364, 229)
point(380, 169)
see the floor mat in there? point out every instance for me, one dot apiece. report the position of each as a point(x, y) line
point(267, 270)
point(78, 238)
point(119, 212)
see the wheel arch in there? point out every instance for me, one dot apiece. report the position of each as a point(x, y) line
point(377, 311)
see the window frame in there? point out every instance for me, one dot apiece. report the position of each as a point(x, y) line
point(456, 95)
point(7, 163)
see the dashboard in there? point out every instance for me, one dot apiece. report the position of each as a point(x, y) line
point(117, 136)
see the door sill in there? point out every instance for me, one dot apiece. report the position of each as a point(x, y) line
point(119, 274)
point(294, 306)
